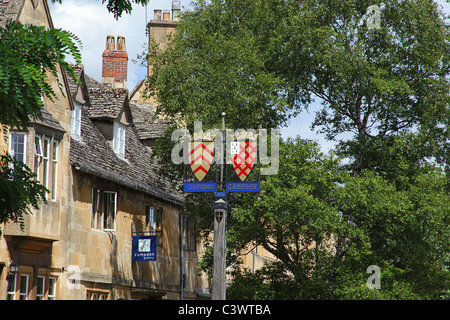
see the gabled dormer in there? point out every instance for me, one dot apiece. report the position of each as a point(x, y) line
point(80, 98)
point(109, 111)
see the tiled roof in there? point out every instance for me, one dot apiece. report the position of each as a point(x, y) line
point(147, 125)
point(9, 10)
point(49, 121)
point(106, 102)
point(94, 155)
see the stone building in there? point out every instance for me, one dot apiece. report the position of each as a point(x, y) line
point(92, 150)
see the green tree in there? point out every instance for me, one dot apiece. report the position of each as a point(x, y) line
point(19, 191)
point(325, 227)
point(28, 55)
point(262, 62)
point(118, 7)
point(376, 83)
point(216, 62)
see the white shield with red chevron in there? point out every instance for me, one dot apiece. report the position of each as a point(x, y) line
point(243, 161)
point(201, 155)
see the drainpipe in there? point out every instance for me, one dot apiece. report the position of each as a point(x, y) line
point(181, 256)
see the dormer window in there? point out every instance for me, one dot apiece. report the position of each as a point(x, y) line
point(119, 139)
point(75, 122)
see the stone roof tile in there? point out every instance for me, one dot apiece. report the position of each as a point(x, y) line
point(9, 11)
point(93, 154)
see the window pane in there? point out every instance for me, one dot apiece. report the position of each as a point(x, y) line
point(96, 209)
point(151, 218)
point(46, 162)
point(99, 209)
point(17, 146)
point(38, 156)
point(40, 292)
point(46, 147)
point(37, 146)
point(110, 211)
point(119, 139)
point(54, 169)
point(75, 121)
point(12, 288)
point(158, 219)
point(24, 287)
point(51, 288)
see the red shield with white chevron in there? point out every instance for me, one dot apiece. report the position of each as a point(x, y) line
point(201, 155)
point(244, 160)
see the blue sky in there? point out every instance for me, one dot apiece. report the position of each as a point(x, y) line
point(91, 22)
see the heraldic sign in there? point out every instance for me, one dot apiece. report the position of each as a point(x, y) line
point(220, 166)
point(224, 161)
point(205, 155)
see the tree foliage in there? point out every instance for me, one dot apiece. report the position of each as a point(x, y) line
point(217, 62)
point(28, 56)
point(376, 83)
point(19, 191)
point(325, 226)
point(262, 62)
point(118, 7)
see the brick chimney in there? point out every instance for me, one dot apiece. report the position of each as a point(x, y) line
point(115, 62)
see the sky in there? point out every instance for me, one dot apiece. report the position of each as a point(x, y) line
point(92, 23)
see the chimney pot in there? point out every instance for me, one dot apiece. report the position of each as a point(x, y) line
point(176, 8)
point(110, 43)
point(176, 5)
point(166, 15)
point(121, 46)
point(157, 14)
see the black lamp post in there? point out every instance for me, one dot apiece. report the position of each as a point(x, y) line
point(13, 269)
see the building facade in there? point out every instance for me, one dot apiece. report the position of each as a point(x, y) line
point(92, 150)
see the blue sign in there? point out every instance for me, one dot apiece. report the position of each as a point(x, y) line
point(221, 194)
point(144, 248)
point(242, 187)
point(199, 187)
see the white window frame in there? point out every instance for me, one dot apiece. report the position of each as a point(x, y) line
point(46, 158)
point(40, 295)
point(37, 156)
point(27, 286)
point(75, 122)
point(12, 293)
point(11, 149)
point(52, 288)
point(119, 139)
point(150, 218)
point(55, 150)
point(106, 214)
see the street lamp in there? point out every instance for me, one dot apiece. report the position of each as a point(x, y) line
point(13, 269)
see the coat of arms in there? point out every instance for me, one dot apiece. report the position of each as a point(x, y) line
point(244, 160)
point(201, 155)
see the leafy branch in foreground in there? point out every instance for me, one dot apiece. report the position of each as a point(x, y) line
point(117, 7)
point(28, 55)
point(18, 190)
